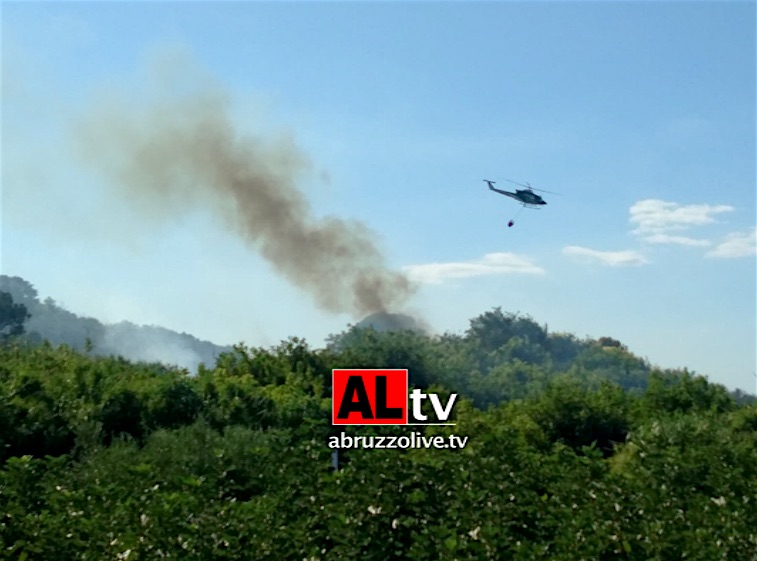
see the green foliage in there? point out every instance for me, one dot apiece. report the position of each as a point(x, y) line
point(684, 392)
point(12, 317)
point(564, 348)
point(570, 455)
point(175, 405)
point(493, 329)
point(368, 348)
point(580, 418)
point(122, 415)
point(693, 480)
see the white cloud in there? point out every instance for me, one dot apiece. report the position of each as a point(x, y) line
point(490, 264)
point(611, 258)
point(679, 240)
point(656, 218)
point(738, 244)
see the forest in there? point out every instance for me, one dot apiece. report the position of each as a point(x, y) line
point(577, 450)
point(51, 321)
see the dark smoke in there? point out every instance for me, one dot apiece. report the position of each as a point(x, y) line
point(383, 321)
point(182, 152)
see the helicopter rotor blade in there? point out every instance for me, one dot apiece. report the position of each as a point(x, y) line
point(528, 186)
point(516, 183)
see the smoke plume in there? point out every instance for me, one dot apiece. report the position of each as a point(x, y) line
point(181, 152)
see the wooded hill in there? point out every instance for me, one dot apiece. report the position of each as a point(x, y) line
point(577, 450)
point(50, 321)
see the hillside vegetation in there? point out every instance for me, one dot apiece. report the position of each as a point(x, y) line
point(50, 321)
point(577, 450)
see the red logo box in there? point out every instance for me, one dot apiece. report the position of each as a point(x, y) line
point(369, 396)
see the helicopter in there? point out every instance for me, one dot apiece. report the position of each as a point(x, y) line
point(526, 196)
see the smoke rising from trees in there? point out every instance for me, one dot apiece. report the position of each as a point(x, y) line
point(182, 152)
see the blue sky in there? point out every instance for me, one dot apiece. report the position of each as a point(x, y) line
point(641, 115)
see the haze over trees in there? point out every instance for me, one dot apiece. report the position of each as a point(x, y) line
point(578, 449)
point(50, 321)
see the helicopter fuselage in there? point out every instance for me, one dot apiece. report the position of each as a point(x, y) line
point(525, 196)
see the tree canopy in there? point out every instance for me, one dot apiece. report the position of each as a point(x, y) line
point(12, 317)
point(577, 449)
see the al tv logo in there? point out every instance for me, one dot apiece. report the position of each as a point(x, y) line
point(380, 397)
